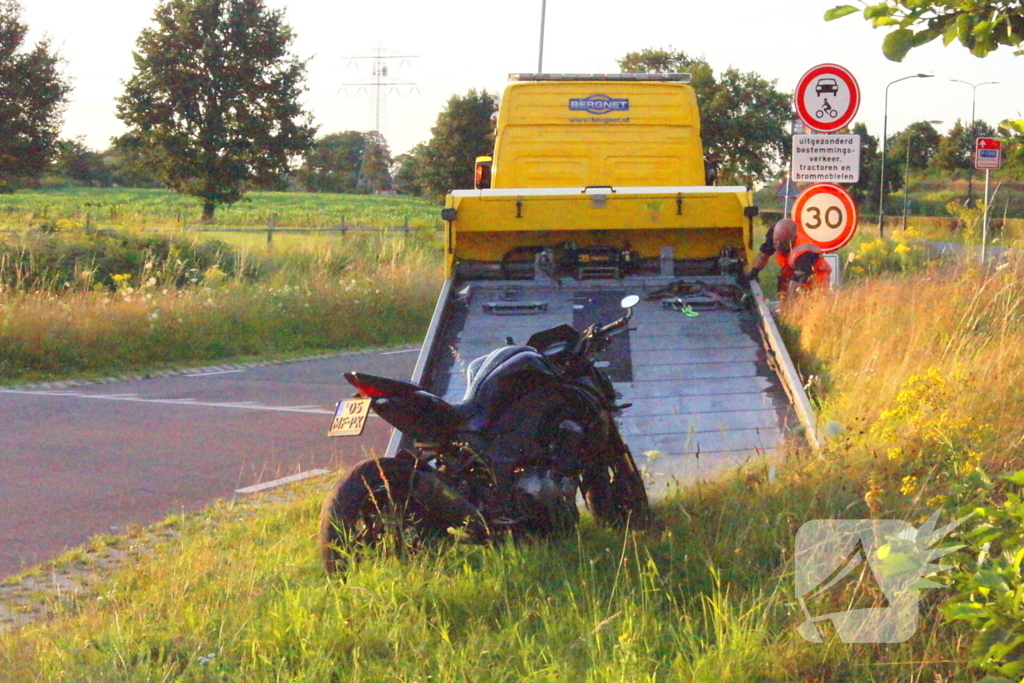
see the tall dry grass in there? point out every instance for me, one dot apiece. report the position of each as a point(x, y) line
point(369, 290)
point(921, 378)
point(868, 339)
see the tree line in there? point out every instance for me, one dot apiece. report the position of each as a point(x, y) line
point(919, 148)
point(351, 162)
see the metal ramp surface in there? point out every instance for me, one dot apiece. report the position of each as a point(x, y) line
point(705, 399)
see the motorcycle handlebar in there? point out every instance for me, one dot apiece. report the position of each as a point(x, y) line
point(614, 325)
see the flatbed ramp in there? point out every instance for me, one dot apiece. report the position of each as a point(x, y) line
point(705, 397)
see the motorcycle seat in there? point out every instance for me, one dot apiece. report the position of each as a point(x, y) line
point(494, 381)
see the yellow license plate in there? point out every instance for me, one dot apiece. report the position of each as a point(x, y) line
point(350, 417)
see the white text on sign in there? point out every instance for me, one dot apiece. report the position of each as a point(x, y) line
point(826, 158)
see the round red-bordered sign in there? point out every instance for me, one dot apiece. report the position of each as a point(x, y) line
point(826, 216)
point(827, 98)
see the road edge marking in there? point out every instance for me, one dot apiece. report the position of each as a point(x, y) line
point(282, 481)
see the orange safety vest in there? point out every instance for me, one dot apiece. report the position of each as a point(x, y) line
point(820, 276)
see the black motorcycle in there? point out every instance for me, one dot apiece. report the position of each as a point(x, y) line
point(536, 425)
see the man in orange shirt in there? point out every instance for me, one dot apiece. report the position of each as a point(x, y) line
point(801, 266)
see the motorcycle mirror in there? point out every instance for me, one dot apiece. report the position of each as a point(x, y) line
point(630, 301)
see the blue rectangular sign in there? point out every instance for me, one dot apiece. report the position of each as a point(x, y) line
point(599, 104)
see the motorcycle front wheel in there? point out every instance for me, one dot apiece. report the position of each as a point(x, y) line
point(616, 495)
point(372, 506)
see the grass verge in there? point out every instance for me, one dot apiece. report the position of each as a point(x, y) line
point(175, 305)
point(237, 594)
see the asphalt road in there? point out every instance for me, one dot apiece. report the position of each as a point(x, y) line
point(96, 459)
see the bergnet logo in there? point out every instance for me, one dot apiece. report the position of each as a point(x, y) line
point(599, 104)
point(891, 553)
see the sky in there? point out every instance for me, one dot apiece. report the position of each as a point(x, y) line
point(456, 45)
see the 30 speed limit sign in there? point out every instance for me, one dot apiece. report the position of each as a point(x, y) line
point(826, 216)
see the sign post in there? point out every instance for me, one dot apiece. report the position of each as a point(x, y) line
point(988, 155)
point(796, 127)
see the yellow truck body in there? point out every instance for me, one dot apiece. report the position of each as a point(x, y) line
point(612, 161)
point(580, 133)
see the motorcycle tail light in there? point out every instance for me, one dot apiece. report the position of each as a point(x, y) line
point(366, 390)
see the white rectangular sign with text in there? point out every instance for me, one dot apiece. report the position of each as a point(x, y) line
point(826, 158)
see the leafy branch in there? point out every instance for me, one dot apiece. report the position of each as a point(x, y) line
point(981, 26)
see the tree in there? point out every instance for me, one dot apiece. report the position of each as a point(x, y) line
point(956, 149)
point(77, 162)
point(865, 191)
point(981, 26)
point(743, 116)
point(375, 166)
point(348, 162)
point(332, 165)
point(32, 97)
point(214, 96)
point(407, 171)
point(464, 131)
point(923, 141)
point(130, 162)
point(1013, 132)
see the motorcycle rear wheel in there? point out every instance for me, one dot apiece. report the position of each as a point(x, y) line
point(372, 506)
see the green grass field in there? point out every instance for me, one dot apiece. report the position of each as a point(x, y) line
point(930, 196)
point(152, 209)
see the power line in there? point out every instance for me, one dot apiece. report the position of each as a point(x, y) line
point(380, 84)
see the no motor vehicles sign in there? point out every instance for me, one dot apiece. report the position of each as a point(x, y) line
point(827, 98)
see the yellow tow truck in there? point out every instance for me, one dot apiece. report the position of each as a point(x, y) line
point(598, 188)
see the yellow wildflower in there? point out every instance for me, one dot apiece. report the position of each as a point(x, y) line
point(909, 486)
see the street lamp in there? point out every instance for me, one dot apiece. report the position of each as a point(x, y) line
point(885, 126)
point(906, 175)
point(540, 57)
point(970, 135)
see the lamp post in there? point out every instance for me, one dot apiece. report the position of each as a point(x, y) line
point(970, 135)
point(906, 176)
point(540, 57)
point(885, 126)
